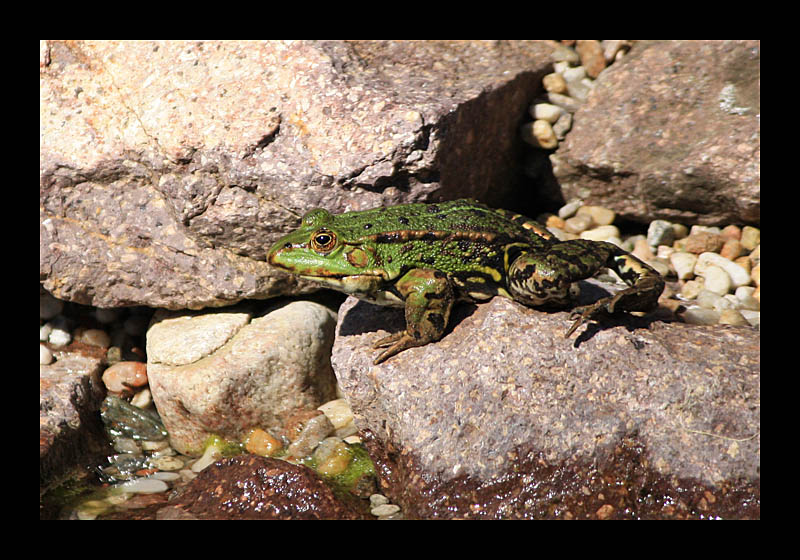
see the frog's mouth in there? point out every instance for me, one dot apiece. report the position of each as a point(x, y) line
point(352, 284)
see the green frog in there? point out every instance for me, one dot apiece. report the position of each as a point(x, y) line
point(424, 257)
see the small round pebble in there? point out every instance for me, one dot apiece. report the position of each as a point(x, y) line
point(601, 215)
point(562, 125)
point(546, 111)
point(683, 263)
point(555, 83)
point(592, 56)
point(696, 315)
point(378, 500)
point(738, 275)
point(45, 356)
point(123, 376)
point(564, 101)
point(569, 209)
point(717, 280)
point(59, 337)
point(751, 237)
point(578, 224)
point(95, 337)
point(660, 232)
point(384, 510)
point(539, 134)
point(168, 463)
point(732, 317)
point(143, 486)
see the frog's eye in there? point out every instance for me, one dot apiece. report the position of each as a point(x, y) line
point(323, 241)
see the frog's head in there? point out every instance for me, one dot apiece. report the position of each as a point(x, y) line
point(320, 251)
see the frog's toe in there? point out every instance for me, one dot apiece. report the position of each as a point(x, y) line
point(584, 313)
point(396, 343)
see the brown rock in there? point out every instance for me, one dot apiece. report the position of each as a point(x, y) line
point(671, 131)
point(504, 400)
point(70, 431)
point(253, 487)
point(167, 169)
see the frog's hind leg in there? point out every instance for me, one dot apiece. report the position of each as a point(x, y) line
point(546, 278)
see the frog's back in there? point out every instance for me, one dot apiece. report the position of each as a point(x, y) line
point(453, 217)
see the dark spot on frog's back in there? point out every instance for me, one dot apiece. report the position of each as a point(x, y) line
point(389, 237)
point(403, 220)
point(432, 208)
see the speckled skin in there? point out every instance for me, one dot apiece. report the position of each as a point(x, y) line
point(426, 256)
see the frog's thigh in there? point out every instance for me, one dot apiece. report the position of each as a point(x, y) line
point(429, 297)
point(547, 277)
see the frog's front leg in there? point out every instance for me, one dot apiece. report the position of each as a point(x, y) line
point(428, 296)
point(545, 278)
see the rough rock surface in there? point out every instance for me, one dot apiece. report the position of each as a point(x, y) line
point(505, 386)
point(224, 373)
point(168, 168)
point(672, 131)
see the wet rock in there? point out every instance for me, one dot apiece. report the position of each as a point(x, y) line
point(253, 487)
point(70, 431)
point(504, 394)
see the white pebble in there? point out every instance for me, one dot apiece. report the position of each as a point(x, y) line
point(384, 510)
point(44, 332)
point(683, 263)
point(717, 280)
point(732, 317)
point(696, 315)
point(143, 486)
point(59, 337)
point(569, 209)
point(539, 134)
point(660, 232)
point(752, 317)
point(45, 356)
point(603, 233)
point(746, 300)
point(546, 111)
point(96, 337)
point(166, 476)
point(712, 300)
point(738, 275)
point(338, 412)
point(378, 500)
point(168, 463)
point(575, 74)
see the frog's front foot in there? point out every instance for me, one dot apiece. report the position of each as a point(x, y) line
point(587, 312)
point(396, 343)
